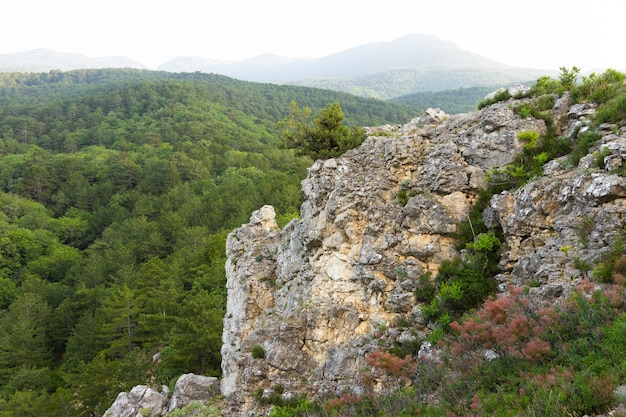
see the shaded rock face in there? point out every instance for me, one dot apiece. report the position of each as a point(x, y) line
point(320, 294)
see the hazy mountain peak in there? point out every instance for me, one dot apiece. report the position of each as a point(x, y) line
point(42, 59)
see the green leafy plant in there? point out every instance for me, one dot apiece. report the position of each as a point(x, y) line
point(257, 351)
point(598, 157)
point(195, 409)
point(568, 77)
point(606, 89)
point(402, 197)
point(501, 95)
point(544, 85)
point(425, 290)
point(582, 145)
point(530, 137)
point(612, 268)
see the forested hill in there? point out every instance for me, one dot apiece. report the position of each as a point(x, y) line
point(117, 190)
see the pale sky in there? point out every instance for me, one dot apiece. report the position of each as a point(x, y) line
point(543, 34)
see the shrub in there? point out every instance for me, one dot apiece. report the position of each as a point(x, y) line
point(544, 85)
point(257, 352)
point(612, 268)
point(582, 146)
point(609, 91)
point(463, 283)
point(403, 198)
point(425, 290)
point(568, 76)
point(613, 111)
point(584, 229)
point(531, 137)
point(283, 219)
point(536, 153)
point(502, 95)
point(598, 157)
point(194, 409)
point(598, 88)
point(300, 408)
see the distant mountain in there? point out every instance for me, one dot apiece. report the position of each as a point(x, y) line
point(41, 60)
point(406, 65)
point(262, 68)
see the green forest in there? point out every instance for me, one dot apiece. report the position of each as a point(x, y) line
point(461, 100)
point(117, 190)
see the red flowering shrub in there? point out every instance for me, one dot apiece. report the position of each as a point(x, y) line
point(507, 326)
point(388, 368)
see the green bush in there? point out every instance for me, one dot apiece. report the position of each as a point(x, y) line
point(425, 290)
point(501, 95)
point(582, 146)
point(302, 408)
point(598, 157)
point(613, 111)
point(194, 409)
point(568, 76)
point(598, 88)
point(283, 219)
point(544, 85)
point(612, 268)
point(257, 352)
point(531, 137)
point(403, 198)
point(606, 89)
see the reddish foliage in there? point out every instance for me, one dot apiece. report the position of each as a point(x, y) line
point(389, 370)
point(506, 325)
point(343, 401)
point(390, 363)
point(536, 349)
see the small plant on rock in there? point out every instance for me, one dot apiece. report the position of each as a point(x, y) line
point(257, 351)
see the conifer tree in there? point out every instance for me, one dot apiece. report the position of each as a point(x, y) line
point(323, 137)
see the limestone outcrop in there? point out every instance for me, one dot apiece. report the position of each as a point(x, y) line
point(320, 294)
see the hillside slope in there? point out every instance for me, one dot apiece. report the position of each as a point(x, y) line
point(117, 191)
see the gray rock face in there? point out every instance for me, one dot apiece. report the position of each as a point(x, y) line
point(325, 291)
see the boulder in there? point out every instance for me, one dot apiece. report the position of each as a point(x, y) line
point(191, 387)
point(138, 402)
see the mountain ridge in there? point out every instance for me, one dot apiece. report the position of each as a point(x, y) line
point(384, 70)
point(405, 65)
point(43, 59)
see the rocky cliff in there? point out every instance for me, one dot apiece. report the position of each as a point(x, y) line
point(308, 302)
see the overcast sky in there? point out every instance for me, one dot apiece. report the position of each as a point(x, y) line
point(530, 33)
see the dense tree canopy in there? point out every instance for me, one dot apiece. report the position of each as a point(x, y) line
point(117, 191)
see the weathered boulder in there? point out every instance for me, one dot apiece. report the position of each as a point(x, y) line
point(141, 401)
point(191, 387)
